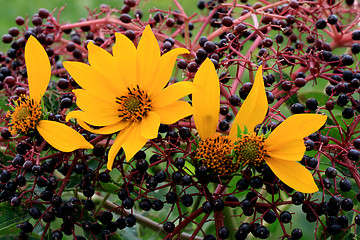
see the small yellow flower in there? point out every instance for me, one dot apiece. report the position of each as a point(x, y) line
point(28, 114)
point(280, 150)
point(126, 92)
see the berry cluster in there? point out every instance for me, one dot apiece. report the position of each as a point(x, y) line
point(309, 51)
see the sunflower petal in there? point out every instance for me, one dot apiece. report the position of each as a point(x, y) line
point(150, 125)
point(120, 139)
point(286, 140)
point(173, 93)
point(173, 112)
point(293, 174)
point(292, 151)
point(99, 111)
point(254, 108)
point(167, 62)
point(90, 80)
point(206, 99)
point(38, 68)
point(147, 59)
point(134, 141)
point(82, 117)
point(62, 137)
point(104, 63)
point(124, 52)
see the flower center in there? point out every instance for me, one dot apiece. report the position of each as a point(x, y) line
point(26, 115)
point(133, 106)
point(250, 149)
point(214, 153)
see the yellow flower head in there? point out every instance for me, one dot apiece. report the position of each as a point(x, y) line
point(27, 114)
point(280, 150)
point(126, 92)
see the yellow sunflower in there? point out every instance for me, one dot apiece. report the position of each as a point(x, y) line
point(126, 92)
point(28, 114)
point(280, 150)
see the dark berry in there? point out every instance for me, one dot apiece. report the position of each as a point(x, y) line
point(211, 237)
point(334, 229)
point(354, 154)
point(187, 200)
point(270, 217)
point(157, 205)
point(347, 113)
point(355, 35)
point(345, 185)
point(311, 104)
point(331, 172)
point(320, 24)
point(104, 177)
point(227, 21)
point(169, 227)
point(347, 204)
point(171, 197)
point(35, 212)
point(332, 19)
point(296, 234)
point(223, 232)
point(207, 207)
point(130, 220)
point(125, 18)
point(235, 100)
point(285, 217)
point(262, 232)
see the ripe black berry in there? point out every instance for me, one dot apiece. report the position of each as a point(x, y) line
point(157, 205)
point(354, 154)
point(171, 197)
point(187, 200)
point(332, 19)
point(355, 35)
point(347, 204)
point(169, 227)
point(130, 220)
point(297, 108)
point(345, 185)
point(330, 172)
point(296, 234)
point(311, 104)
point(209, 237)
point(320, 24)
point(334, 229)
point(285, 217)
point(234, 100)
point(104, 177)
point(270, 217)
point(223, 232)
point(224, 126)
point(262, 232)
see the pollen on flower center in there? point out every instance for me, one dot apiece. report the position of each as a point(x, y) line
point(133, 106)
point(214, 153)
point(26, 115)
point(250, 149)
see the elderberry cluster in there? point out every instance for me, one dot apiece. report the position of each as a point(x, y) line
point(309, 51)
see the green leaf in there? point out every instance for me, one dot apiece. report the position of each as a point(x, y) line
point(11, 217)
point(109, 188)
point(51, 102)
point(239, 133)
point(4, 105)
